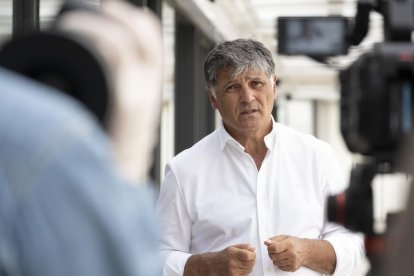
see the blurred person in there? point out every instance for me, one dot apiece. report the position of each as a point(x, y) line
point(249, 199)
point(64, 208)
point(66, 203)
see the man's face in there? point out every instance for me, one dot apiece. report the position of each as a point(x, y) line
point(245, 101)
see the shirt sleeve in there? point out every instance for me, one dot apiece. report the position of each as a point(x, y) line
point(175, 222)
point(348, 245)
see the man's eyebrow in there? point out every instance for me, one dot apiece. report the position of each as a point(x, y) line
point(230, 82)
point(256, 78)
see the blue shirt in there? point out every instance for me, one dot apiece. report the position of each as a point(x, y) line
point(64, 209)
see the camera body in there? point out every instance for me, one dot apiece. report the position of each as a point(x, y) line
point(376, 100)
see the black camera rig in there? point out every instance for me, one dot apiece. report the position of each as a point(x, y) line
point(376, 105)
point(376, 114)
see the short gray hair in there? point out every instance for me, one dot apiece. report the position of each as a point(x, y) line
point(238, 55)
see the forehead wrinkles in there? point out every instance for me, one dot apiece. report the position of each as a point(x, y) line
point(235, 72)
point(227, 77)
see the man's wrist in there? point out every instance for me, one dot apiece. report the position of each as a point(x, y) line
point(320, 256)
point(191, 265)
point(306, 251)
point(198, 264)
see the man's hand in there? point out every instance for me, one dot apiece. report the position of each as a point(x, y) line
point(287, 253)
point(290, 253)
point(235, 260)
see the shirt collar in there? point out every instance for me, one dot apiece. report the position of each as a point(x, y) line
point(224, 137)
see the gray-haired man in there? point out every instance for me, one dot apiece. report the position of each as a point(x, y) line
point(249, 198)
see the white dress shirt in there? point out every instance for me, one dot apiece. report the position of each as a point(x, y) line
point(213, 196)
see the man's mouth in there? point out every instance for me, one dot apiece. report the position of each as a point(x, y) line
point(249, 111)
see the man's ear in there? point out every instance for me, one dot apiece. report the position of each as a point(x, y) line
point(211, 97)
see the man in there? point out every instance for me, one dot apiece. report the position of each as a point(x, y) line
point(249, 199)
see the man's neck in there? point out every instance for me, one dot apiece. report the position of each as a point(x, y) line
point(253, 143)
point(257, 150)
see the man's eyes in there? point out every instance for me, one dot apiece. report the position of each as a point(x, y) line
point(253, 84)
point(231, 88)
point(257, 83)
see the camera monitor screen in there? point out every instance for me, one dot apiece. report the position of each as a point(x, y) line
point(312, 36)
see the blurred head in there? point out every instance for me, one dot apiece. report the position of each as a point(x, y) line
point(241, 85)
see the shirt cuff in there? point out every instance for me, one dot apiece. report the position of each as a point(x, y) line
point(175, 263)
point(349, 252)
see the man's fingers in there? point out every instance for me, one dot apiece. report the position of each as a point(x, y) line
point(244, 252)
point(285, 268)
point(246, 255)
point(247, 264)
point(268, 242)
point(245, 246)
point(276, 244)
point(283, 251)
point(278, 257)
point(277, 247)
point(279, 238)
point(276, 239)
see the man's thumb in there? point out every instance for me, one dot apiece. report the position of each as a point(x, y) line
point(275, 239)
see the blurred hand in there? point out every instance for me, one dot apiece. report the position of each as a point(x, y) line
point(129, 40)
point(235, 260)
point(287, 253)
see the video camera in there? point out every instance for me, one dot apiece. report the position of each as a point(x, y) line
point(376, 88)
point(376, 99)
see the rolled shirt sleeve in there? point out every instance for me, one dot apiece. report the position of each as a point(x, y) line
point(348, 245)
point(349, 249)
point(175, 263)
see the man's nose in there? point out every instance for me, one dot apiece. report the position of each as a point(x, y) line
point(246, 94)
